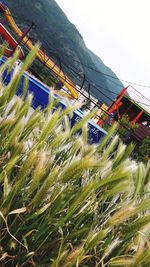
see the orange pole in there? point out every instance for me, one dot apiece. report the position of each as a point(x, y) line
point(137, 117)
point(115, 105)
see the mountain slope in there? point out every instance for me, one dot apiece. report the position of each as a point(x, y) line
point(113, 83)
point(62, 41)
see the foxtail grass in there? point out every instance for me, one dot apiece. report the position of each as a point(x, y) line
point(64, 202)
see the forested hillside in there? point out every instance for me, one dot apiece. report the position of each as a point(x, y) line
point(62, 41)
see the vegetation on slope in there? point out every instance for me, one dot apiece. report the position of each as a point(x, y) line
point(64, 202)
point(60, 38)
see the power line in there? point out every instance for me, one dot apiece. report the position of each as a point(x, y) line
point(95, 70)
point(98, 71)
point(85, 65)
point(89, 87)
point(105, 74)
point(89, 81)
point(60, 63)
point(95, 86)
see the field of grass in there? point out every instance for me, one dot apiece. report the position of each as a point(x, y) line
point(63, 202)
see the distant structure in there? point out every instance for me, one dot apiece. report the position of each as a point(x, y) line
point(136, 106)
point(132, 103)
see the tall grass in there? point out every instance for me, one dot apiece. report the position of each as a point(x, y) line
point(64, 202)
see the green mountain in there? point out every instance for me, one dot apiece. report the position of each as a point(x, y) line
point(62, 41)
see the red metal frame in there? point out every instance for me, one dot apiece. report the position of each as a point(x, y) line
point(115, 107)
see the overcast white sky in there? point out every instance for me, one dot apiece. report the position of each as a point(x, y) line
point(118, 31)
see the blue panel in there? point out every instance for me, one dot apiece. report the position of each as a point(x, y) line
point(41, 98)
